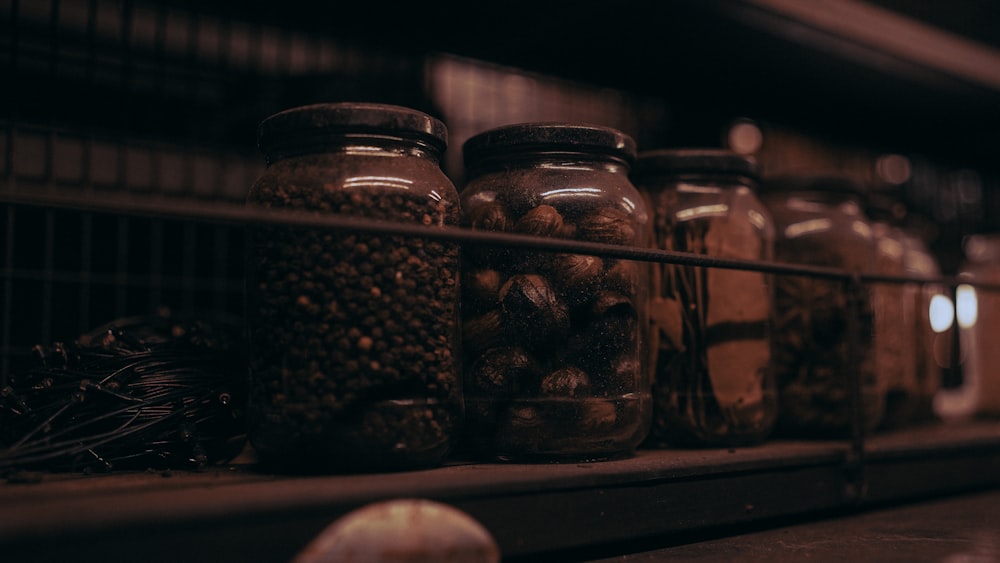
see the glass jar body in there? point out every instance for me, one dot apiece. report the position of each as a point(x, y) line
point(824, 337)
point(354, 338)
point(711, 327)
point(978, 316)
point(894, 315)
point(553, 347)
point(932, 323)
point(913, 348)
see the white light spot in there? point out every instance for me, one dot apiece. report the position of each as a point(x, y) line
point(966, 306)
point(942, 313)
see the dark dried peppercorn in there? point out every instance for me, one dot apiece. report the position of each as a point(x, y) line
point(339, 318)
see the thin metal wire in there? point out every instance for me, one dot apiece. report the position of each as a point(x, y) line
point(233, 214)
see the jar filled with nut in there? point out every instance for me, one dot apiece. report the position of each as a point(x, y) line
point(711, 327)
point(553, 343)
point(820, 352)
point(354, 335)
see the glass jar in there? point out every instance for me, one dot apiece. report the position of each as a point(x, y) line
point(554, 343)
point(894, 313)
point(932, 323)
point(353, 335)
point(711, 327)
point(978, 315)
point(908, 343)
point(819, 222)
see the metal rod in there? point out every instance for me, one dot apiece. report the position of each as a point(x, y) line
point(235, 214)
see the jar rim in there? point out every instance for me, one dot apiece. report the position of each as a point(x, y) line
point(828, 183)
point(319, 123)
point(695, 161)
point(549, 137)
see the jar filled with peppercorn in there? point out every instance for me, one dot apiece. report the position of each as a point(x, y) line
point(822, 352)
point(354, 356)
point(711, 327)
point(554, 342)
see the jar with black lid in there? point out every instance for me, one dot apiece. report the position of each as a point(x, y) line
point(711, 327)
point(819, 351)
point(554, 342)
point(353, 335)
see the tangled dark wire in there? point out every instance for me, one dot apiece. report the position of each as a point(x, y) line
point(154, 392)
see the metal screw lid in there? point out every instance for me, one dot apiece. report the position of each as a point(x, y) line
point(297, 130)
point(829, 183)
point(695, 161)
point(549, 137)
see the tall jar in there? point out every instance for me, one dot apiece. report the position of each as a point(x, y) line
point(896, 342)
point(932, 322)
point(711, 327)
point(354, 338)
point(820, 222)
point(978, 316)
point(555, 368)
point(910, 353)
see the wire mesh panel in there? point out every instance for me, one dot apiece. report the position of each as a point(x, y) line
point(65, 271)
point(134, 100)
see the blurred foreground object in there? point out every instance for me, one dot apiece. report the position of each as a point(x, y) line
point(410, 530)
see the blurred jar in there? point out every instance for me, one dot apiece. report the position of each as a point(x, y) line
point(710, 342)
point(353, 336)
point(932, 322)
point(919, 351)
point(820, 222)
point(978, 316)
point(895, 312)
point(554, 343)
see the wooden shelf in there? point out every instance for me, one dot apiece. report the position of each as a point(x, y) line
point(236, 514)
